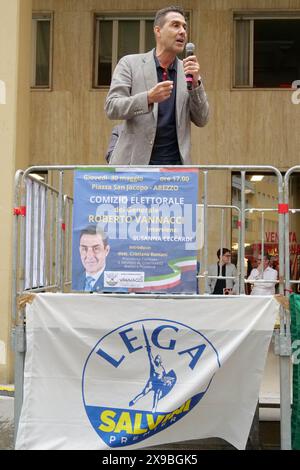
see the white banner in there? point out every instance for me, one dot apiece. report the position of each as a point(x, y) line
point(106, 371)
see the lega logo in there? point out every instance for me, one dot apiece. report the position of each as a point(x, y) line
point(145, 376)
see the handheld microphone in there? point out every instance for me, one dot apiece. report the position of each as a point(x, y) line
point(189, 50)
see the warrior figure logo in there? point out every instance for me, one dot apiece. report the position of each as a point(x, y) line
point(160, 381)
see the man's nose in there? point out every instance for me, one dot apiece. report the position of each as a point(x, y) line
point(89, 250)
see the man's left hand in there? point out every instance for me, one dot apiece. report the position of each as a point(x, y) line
point(191, 67)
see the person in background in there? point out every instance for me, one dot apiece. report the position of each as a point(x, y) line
point(263, 271)
point(223, 267)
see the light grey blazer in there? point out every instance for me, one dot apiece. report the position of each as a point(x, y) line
point(230, 270)
point(127, 99)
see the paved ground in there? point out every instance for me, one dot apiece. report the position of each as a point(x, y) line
point(6, 422)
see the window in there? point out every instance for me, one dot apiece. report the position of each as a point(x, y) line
point(248, 223)
point(267, 49)
point(116, 37)
point(41, 50)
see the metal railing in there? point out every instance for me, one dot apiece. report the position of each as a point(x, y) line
point(57, 238)
point(284, 345)
point(205, 274)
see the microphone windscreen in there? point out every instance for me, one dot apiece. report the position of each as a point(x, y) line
point(189, 48)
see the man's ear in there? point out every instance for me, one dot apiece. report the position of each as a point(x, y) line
point(156, 30)
point(107, 249)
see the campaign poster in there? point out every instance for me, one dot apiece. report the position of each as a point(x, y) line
point(135, 230)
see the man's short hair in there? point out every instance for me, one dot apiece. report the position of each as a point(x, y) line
point(224, 250)
point(94, 230)
point(267, 256)
point(160, 16)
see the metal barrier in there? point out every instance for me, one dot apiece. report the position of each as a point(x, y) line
point(56, 267)
point(288, 212)
point(67, 242)
point(221, 245)
point(262, 212)
point(37, 234)
point(37, 240)
point(285, 332)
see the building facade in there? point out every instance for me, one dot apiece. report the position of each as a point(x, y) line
point(58, 58)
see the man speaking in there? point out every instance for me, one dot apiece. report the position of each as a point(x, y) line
point(152, 93)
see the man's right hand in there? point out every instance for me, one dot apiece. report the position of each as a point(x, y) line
point(160, 92)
